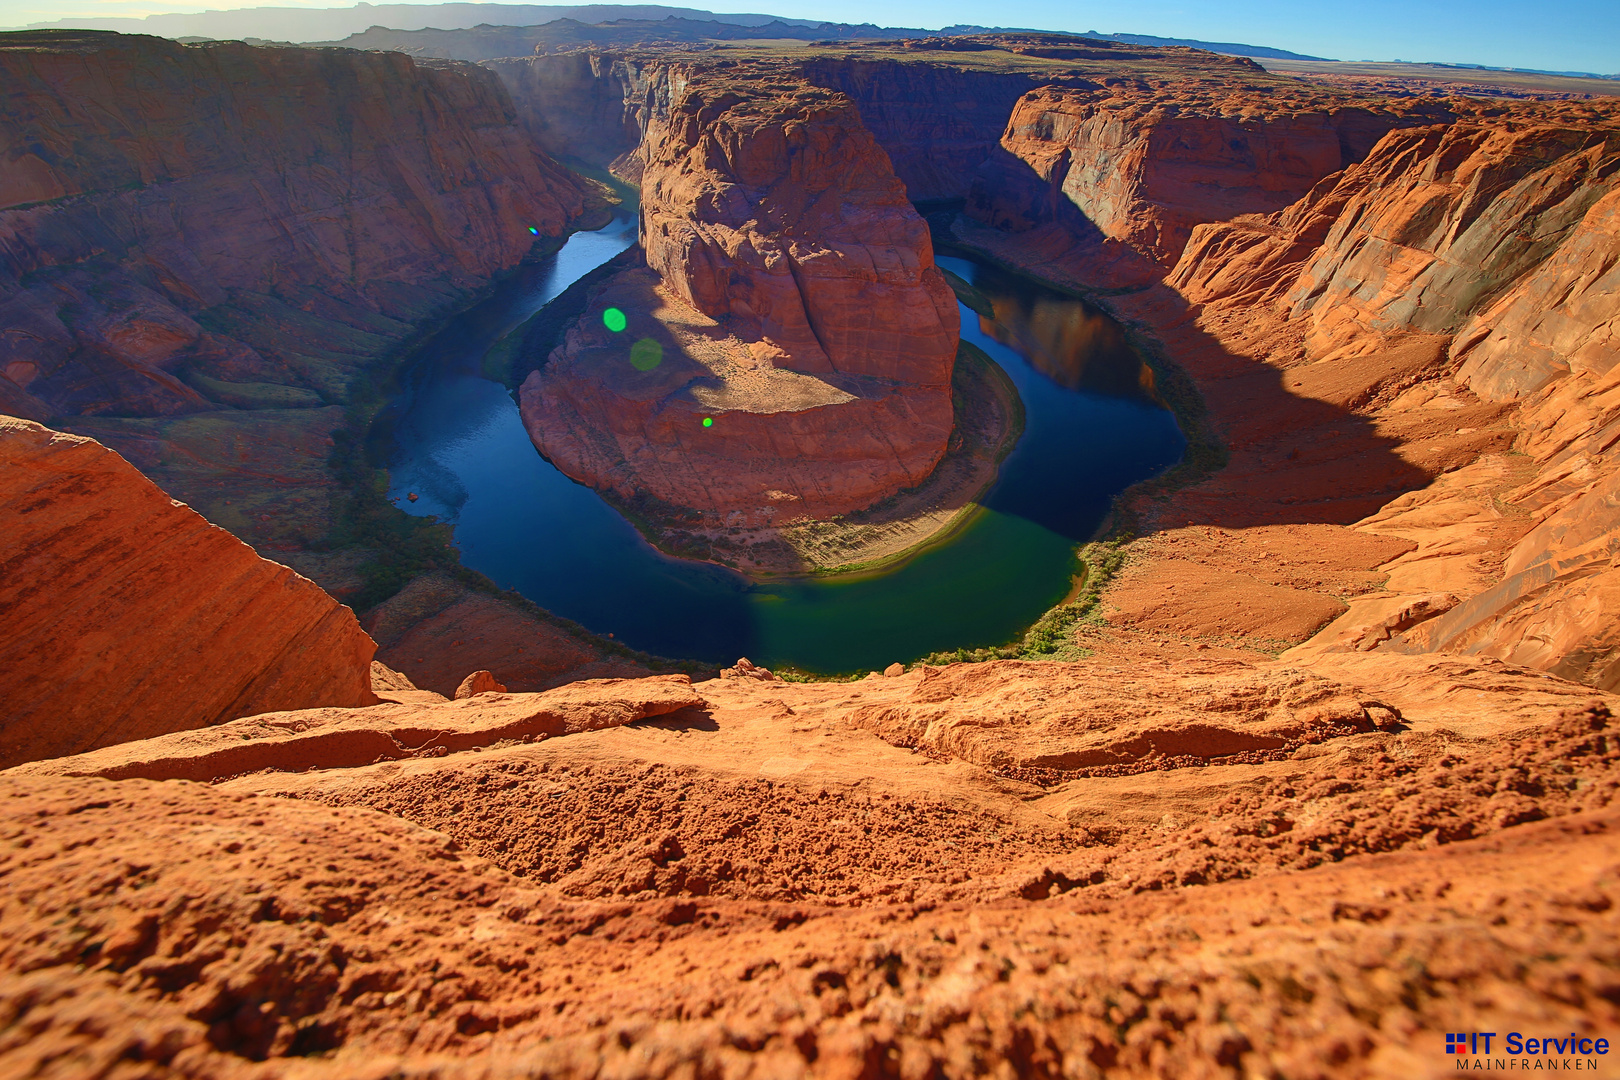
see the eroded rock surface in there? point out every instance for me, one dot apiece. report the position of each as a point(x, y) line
point(425, 190)
point(1369, 355)
point(344, 738)
point(1143, 165)
point(127, 615)
point(789, 350)
point(207, 248)
point(759, 884)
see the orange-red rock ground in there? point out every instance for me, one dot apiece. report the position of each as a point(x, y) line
point(867, 879)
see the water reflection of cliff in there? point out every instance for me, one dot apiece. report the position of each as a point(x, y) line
point(1067, 340)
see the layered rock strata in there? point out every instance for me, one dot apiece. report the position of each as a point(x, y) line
point(1398, 329)
point(1500, 242)
point(789, 348)
point(204, 248)
point(146, 154)
point(1142, 165)
point(345, 738)
point(127, 615)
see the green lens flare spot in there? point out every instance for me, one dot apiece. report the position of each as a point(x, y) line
point(614, 319)
point(708, 421)
point(646, 354)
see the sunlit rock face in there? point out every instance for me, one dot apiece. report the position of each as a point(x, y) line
point(793, 300)
point(1496, 241)
point(1142, 166)
point(129, 616)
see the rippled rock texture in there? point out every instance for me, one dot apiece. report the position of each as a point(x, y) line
point(797, 340)
point(1497, 242)
point(738, 877)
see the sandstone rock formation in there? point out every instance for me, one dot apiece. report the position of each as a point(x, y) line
point(798, 340)
point(479, 682)
point(1444, 297)
point(345, 738)
point(425, 189)
point(1497, 242)
point(758, 884)
point(1144, 165)
point(435, 630)
point(207, 247)
point(127, 615)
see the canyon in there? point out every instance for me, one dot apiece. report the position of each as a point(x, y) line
point(1326, 770)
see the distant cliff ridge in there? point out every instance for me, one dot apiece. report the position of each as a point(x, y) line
point(316, 24)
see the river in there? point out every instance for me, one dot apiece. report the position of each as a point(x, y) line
point(1092, 429)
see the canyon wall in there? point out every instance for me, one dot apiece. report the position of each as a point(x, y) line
point(1142, 165)
point(157, 192)
point(792, 302)
point(129, 616)
point(205, 248)
point(583, 105)
point(1498, 241)
point(209, 252)
point(937, 122)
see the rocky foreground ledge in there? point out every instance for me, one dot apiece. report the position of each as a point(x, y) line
point(779, 880)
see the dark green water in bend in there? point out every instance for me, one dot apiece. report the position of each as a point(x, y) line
point(1091, 431)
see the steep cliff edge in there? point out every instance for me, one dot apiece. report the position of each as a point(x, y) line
point(158, 190)
point(1141, 164)
point(208, 253)
point(1444, 301)
point(789, 349)
point(203, 248)
point(129, 616)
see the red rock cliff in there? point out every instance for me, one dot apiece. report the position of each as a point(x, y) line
point(1145, 164)
point(128, 616)
point(1498, 239)
point(203, 247)
point(216, 174)
point(795, 303)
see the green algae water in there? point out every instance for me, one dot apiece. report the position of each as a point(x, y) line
point(1092, 428)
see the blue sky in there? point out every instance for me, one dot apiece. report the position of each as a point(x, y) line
point(1573, 35)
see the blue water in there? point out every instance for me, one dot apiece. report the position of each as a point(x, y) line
point(1092, 430)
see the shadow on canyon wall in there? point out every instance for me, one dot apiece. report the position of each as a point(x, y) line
point(1260, 451)
point(1265, 447)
